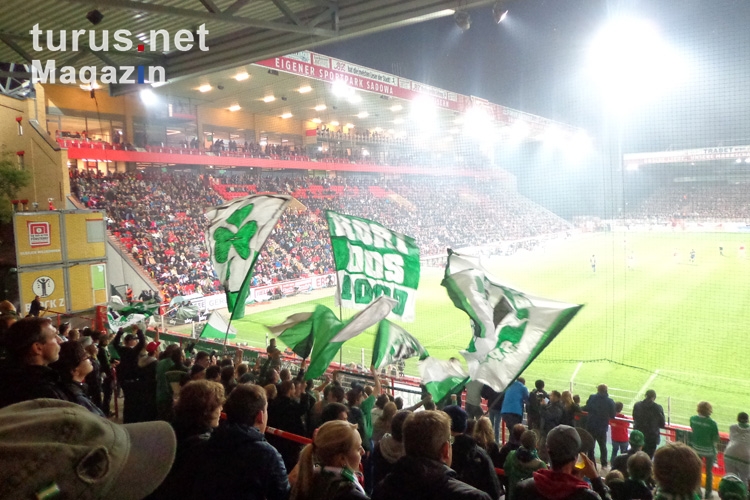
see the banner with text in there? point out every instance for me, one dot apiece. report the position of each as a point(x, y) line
point(371, 260)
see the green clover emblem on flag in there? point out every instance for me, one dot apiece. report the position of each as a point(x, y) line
point(225, 239)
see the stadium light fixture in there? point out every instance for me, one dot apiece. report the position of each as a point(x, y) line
point(304, 89)
point(334, 123)
point(396, 107)
point(632, 64)
point(463, 20)
point(269, 98)
point(235, 107)
point(340, 89)
point(205, 88)
point(499, 13)
point(354, 98)
point(241, 76)
point(286, 115)
point(320, 107)
point(148, 97)
point(316, 120)
point(738, 160)
point(363, 114)
point(349, 125)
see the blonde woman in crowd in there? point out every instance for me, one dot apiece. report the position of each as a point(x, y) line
point(328, 467)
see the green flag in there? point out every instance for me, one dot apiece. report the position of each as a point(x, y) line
point(511, 328)
point(393, 343)
point(441, 377)
point(120, 315)
point(371, 260)
point(216, 328)
point(296, 333)
point(236, 234)
point(325, 326)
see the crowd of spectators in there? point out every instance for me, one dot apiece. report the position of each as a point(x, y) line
point(158, 217)
point(363, 443)
point(725, 201)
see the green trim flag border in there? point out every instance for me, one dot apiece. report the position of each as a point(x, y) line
point(393, 343)
point(371, 261)
point(217, 327)
point(236, 234)
point(510, 327)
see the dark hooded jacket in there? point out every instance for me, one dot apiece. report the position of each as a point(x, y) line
point(553, 485)
point(25, 382)
point(474, 466)
point(235, 463)
point(415, 478)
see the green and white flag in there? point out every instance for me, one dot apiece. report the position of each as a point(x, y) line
point(441, 377)
point(364, 319)
point(393, 343)
point(511, 328)
point(371, 260)
point(296, 333)
point(236, 234)
point(314, 334)
point(216, 328)
point(120, 315)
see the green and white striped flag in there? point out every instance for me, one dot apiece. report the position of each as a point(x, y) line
point(120, 315)
point(393, 343)
point(237, 232)
point(216, 328)
point(441, 377)
point(511, 328)
point(371, 260)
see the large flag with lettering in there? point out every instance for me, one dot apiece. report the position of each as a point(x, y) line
point(393, 343)
point(371, 260)
point(237, 232)
point(216, 328)
point(510, 327)
point(441, 377)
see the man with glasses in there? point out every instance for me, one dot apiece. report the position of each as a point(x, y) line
point(31, 345)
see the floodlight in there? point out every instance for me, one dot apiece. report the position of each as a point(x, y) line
point(463, 20)
point(204, 88)
point(148, 97)
point(241, 76)
point(498, 12)
point(235, 107)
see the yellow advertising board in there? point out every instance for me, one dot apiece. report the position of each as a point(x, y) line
point(85, 235)
point(37, 238)
point(88, 286)
point(48, 284)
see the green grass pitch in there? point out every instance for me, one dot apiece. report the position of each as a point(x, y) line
point(652, 320)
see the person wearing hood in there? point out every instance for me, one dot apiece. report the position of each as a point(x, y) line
point(600, 408)
point(424, 472)
point(522, 463)
point(564, 481)
point(390, 448)
point(737, 452)
point(648, 417)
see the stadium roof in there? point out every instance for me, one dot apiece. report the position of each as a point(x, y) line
point(240, 31)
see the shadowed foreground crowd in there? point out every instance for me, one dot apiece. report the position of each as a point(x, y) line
point(208, 438)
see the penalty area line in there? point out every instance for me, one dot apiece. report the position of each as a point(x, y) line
point(642, 390)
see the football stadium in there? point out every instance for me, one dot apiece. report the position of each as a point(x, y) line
point(456, 194)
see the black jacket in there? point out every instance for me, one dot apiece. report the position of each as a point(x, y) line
point(552, 416)
point(128, 367)
point(423, 479)
point(648, 417)
point(25, 382)
point(474, 466)
point(600, 408)
point(235, 463)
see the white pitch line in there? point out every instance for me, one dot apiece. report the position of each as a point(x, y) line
point(575, 372)
point(643, 388)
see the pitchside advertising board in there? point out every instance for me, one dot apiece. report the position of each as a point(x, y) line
point(61, 257)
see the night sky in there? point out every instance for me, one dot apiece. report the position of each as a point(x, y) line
point(533, 62)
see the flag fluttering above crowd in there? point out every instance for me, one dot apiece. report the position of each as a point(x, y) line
point(236, 234)
point(120, 315)
point(510, 327)
point(441, 377)
point(372, 260)
point(217, 328)
point(393, 344)
point(321, 334)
